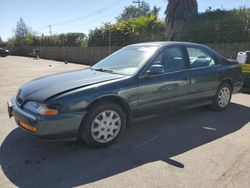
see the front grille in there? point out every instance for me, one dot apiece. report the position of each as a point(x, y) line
point(19, 101)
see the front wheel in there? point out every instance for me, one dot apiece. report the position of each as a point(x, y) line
point(103, 124)
point(222, 97)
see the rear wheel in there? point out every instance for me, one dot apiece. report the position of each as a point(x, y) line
point(103, 125)
point(222, 97)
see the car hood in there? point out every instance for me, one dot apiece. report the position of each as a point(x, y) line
point(46, 87)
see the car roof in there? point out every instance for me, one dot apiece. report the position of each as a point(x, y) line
point(160, 44)
point(164, 43)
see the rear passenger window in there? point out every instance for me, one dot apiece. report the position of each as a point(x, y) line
point(171, 59)
point(199, 58)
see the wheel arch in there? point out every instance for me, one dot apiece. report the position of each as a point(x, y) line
point(115, 99)
point(228, 81)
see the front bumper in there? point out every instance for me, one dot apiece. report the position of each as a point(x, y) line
point(64, 126)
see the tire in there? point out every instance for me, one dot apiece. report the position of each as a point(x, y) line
point(99, 129)
point(222, 98)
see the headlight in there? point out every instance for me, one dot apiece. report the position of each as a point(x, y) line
point(41, 109)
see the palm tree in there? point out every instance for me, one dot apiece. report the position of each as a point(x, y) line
point(177, 13)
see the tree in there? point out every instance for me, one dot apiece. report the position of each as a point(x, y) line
point(10, 43)
point(132, 11)
point(155, 11)
point(74, 39)
point(29, 39)
point(1, 42)
point(179, 12)
point(21, 32)
point(219, 26)
point(143, 28)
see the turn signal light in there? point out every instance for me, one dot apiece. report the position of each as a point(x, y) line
point(50, 112)
point(27, 127)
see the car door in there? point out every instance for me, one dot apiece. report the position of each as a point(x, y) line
point(204, 70)
point(168, 89)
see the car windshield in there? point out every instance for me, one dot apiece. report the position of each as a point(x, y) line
point(127, 60)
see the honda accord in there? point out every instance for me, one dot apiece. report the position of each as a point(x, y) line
point(97, 103)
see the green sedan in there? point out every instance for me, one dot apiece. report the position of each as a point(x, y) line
point(96, 104)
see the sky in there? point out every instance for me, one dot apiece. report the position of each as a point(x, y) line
point(79, 15)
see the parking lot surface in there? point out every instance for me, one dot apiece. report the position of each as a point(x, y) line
point(188, 148)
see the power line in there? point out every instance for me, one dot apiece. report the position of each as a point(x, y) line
point(87, 15)
point(93, 20)
point(100, 11)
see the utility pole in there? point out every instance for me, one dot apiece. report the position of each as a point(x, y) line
point(40, 45)
point(63, 49)
point(138, 2)
point(109, 39)
point(50, 30)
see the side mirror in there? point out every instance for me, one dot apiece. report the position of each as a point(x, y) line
point(155, 69)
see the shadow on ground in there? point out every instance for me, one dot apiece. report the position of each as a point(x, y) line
point(28, 162)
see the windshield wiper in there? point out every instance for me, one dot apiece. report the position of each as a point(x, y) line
point(104, 70)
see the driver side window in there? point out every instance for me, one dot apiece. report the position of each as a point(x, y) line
point(171, 59)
